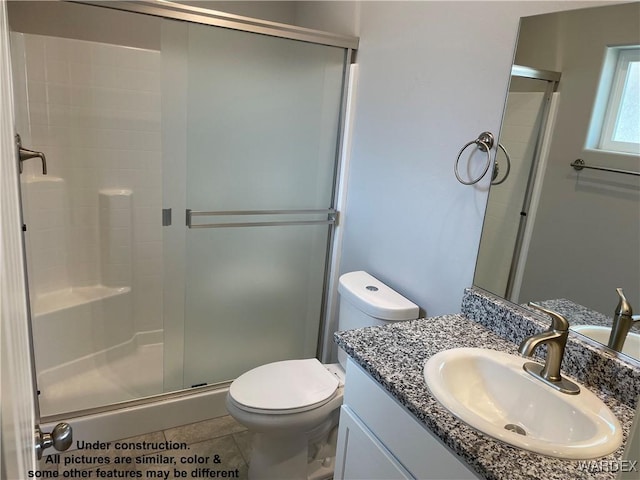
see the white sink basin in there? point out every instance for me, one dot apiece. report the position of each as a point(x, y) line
point(601, 335)
point(490, 391)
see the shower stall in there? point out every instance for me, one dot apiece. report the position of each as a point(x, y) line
point(513, 196)
point(183, 230)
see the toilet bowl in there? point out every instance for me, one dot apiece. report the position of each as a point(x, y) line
point(292, 409)
point(292, 406)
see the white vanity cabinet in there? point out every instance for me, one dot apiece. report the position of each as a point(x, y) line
point(379, 439)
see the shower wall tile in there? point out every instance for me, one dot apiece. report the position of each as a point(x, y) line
point(80, 74)
point(57, 72)
point(126, 78)
point(81, 96)
point(35, 65)
point(58, 94)
point(57, 48)
point(520, 125)
point(38, 113)
point(47, 236)
point(37, 90)
point(94, 109)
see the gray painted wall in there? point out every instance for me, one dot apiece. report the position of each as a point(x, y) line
point(433, 75)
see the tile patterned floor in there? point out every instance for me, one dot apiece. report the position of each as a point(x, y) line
point(221, 444)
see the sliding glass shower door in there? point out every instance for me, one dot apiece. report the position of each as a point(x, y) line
point(260, 142)
point(143, 114)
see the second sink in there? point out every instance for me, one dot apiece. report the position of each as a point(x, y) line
point(491, 391)
point(601, 335)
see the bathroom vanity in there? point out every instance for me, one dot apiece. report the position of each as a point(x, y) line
point(380, 439)
point(392, 426)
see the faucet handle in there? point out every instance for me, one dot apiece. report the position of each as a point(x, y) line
point(558, 322)
point(624, 307)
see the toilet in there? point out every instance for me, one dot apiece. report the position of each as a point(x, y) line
point(293, 406)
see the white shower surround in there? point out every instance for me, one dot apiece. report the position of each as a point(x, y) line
point(95, 358)
point(94, 239)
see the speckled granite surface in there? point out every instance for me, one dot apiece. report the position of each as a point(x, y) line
point(580, 315)
point(395, 355)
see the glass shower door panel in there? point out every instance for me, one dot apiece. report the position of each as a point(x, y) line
point(262, 125)
point(255, 296)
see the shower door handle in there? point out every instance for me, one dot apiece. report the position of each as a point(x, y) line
point(331, 218)
point(26, 154)
point(60, 438)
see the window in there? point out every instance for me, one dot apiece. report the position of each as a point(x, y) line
point(621, 124)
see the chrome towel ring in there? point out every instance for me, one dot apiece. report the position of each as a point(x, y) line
point(496, 168)
point(485, 143)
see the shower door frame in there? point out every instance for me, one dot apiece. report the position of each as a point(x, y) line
point(517, 261)
point(204, 16)
point(214, 18)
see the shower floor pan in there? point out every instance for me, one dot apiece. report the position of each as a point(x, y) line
point(88, 353)
point(125, 372)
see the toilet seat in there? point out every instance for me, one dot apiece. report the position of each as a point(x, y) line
point(285, 387)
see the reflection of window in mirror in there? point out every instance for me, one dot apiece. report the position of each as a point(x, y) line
point(618, 101)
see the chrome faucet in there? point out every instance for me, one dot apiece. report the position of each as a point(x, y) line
point(555, 338)
point(622, 321)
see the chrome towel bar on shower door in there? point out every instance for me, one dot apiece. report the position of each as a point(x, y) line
point(331, 219)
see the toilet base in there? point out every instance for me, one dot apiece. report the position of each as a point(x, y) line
point(277, 457)
point(282, 457)
point(322, 464)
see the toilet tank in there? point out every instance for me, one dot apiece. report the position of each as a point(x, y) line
point(366, 301)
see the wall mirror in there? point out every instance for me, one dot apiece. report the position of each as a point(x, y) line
point(551, 232)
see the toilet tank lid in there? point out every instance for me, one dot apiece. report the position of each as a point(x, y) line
point(374, 298)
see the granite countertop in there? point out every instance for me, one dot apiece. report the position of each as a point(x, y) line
point(395, 354)
point(580, 315)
